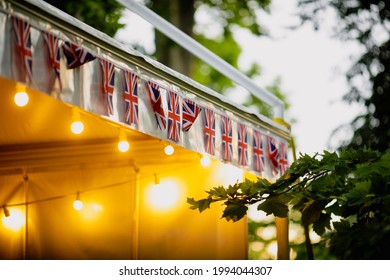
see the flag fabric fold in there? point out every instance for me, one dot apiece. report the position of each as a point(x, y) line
point(52, 43)
point(130, 95)
point(209, 130)
point(242, 145)
point(258, 151)
point(157, 106)
point(273, 154)
point(174, 121)
point(108, 71)
point(23, 40)
point(191, 110)
point(76, 55)
point(283, 161)
point(227, 138)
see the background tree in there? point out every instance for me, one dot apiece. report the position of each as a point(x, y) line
point(368, 23)
point(353, 186)
point(103, 15)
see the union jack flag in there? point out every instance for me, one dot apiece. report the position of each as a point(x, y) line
point(156, 101)
point(227, 138)
point(52, 43)
point(273, 154)
point(76, 55)
point(173, 116)
point(258, 151)
point(108, 69)
point(242, 145)
point(130, 95)
point(190, 112)
point(209, 130)
point(23, 39)
point(283, 162)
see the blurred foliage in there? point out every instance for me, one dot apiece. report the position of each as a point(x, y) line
point(228, 16)
point(103, 15)
point(353, 186)
point(366, 22)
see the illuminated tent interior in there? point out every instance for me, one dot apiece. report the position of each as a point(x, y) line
point(134, 202)
point(42, 161)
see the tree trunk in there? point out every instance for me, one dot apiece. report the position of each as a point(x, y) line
point(309, 246)
point(181, 15)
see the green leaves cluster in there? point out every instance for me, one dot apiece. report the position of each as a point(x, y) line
point(352, 186)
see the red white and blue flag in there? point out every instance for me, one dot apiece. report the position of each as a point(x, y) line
point(52, 43)
point(23, 40)
point(130, 95)
point(174, 121)
point(209, 130)
point(156, 102)
point(191, 110)
point(258, 151)
point(283, 162)
point(76, 55)
point(108, 69)
point(227, 138)
point(273, 154)
point(242, 145)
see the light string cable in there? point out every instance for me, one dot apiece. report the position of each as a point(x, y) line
point(92, 189)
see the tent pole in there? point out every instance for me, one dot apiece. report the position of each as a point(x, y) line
point(282, 224)
point(282, 238)
point(135, 251)
point(25, 239)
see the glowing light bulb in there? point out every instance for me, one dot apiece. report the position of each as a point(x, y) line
point(123, 146)
point(78, 204)
point(205, 161)
point(77, 127)
point(169, 150)
point(163, 196)
point(15, 220)
point(21, 98)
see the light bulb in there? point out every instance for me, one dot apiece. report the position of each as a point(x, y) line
point(77, 127)
point(21, 98)
point(14, 220)
point(123, 146)
point(78, 204)
point(169, 150)
point(6, 211)
point(205, 161)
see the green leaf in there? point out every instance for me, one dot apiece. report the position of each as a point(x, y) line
point(202, 204)
point(358, 194)
point(276, 205)
point(322, 223)
point(234, 212)
point(218, 192)
point(342, 226)
point(311, 212)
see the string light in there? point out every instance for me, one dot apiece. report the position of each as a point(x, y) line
point(78, 204)
point(123, 144)
point(156, 180)
point(169, 150)
point(205, 161)
point(6, 211)
point(77, 126)
point(14, 219)
point(21, 97)
point(163, 196)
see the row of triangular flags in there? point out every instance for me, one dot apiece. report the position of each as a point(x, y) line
point(181, 112)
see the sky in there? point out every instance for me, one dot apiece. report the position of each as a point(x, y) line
point(311, 65)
